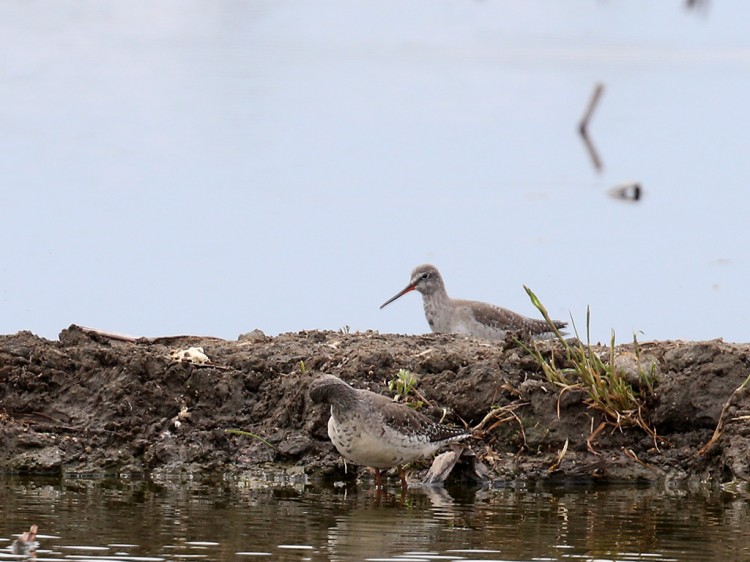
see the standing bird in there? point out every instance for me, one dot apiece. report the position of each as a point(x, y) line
point(372, 430)
point(473, 318)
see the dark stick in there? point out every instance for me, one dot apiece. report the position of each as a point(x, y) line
point(598, 91)
point(583, 126)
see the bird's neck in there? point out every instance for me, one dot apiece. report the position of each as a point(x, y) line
point(436, 304)
point(438, 296)
point(343, 398)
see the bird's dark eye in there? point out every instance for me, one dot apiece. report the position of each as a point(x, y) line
point(426, 275)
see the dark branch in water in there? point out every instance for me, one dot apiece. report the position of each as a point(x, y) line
point(583, 126)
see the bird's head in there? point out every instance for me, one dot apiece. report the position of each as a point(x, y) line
point(424, 278)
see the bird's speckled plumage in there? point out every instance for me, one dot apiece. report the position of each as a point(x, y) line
point(473, 318)
point(372, 430)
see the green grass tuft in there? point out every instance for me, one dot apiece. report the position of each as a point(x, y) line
point(404, 384)
point(583, 368)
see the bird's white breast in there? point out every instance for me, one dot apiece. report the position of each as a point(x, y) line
point(378, 447)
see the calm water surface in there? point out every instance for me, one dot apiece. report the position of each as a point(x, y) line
point(182, 520)
point(300, 157)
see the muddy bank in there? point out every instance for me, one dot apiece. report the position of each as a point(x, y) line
point(91, 404)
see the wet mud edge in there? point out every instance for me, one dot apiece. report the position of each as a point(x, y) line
point(95, 405)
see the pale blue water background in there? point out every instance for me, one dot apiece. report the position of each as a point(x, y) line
point(187, 520)
point(211, 167)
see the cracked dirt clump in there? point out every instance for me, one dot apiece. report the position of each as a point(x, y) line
point(89, 403)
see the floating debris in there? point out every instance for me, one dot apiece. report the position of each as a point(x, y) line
point(631, 191)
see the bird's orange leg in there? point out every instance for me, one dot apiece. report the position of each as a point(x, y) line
point(402, 474)
point(378, 480)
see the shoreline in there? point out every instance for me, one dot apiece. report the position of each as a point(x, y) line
point(93, 404)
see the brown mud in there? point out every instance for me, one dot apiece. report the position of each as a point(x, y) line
point(95, 405)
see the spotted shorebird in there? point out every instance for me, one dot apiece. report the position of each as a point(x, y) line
point(473, 318)
point(25, 544)
point(372, 430)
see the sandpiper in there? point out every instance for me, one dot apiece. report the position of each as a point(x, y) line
point(472, 318)
point(372, 430)
point(26, 543)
